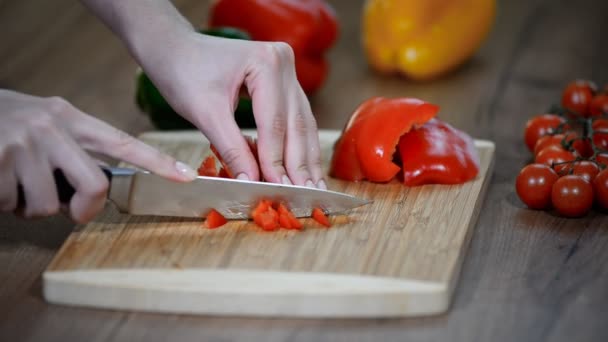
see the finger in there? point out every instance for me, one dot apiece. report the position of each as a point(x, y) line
point(97, 136)
point(270, 111)
point(296, 149)
point(33, 172)
point(314, 155)
point(85, 176)
point(227, 138)
point(8, 185)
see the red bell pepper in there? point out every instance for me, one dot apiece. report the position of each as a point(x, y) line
point(369, 140)
point(309, 26)
point(319, 215)
point(207, 167)
point(437, 153)
point(214, 219)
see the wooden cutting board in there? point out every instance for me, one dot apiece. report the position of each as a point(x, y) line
point(399, 256)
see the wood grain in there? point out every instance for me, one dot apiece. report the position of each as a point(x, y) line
point(399, 256)
point(528, 275)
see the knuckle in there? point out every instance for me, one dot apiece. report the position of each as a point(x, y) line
point(301, 124)
point(231, 155)
point(20, 141)
point(285, 51)
point(279, 125)
point(57, 105)
point(97, 188)
point(123, 144)
point(42, 125)
point(275, 54)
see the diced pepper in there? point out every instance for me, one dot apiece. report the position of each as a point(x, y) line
point(214, 219)
point(207, 167)
point(319, 215)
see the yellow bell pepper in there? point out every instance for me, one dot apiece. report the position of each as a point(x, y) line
point(424, 39)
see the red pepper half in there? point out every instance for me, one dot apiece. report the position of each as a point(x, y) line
point(437, 153)
point(369, 140)
point(309, 26)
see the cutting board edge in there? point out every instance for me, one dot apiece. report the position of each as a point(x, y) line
point(475, 216)
point(283, 294)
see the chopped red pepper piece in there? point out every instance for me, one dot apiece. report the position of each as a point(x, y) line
point(267, 220)
point(207, 167)
point(319, 216)
point(437, 153)
point(214, 219)
point(369, 140)
point(287, 219)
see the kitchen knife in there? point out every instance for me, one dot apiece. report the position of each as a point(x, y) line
point(144, 193)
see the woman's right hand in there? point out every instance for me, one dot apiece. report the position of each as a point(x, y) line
point(39, 135)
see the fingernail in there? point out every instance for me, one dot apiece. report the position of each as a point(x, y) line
point(285, 180)
point(321, 185)
point(310, 184)
point(242, 176)
point(185, 170)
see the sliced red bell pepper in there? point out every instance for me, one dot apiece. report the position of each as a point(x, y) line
point(438, 153)
point(214, 219)
point(319, 215)
point(367, 145)
point(207, 167)
point(310, 27)
point(287, 219)
point(267, 220)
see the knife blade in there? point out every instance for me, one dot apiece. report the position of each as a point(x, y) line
point(143, 193)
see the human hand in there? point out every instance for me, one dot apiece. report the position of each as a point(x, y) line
point(201, 76)
point(39, 135)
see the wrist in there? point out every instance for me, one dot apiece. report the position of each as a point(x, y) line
point(147, 28)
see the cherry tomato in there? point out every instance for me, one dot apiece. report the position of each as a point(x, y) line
point(583, 147)
point(548, 140)
point(599, 105)
point(600, 134)
point(600, 188)
point(572, 196)
point(553, 155)
point(534, 184)
point(586, 169)
point(539, 126)
point(577, 96)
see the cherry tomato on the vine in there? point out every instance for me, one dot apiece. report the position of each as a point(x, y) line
point(586, 169)
point(554, 155)
point(534, 184)
point(577, 96)
point(548, 140)
point(600, 188)
point(572, 196)
point(539, 126)
point(583, 147)
point(600, 135)
point(599, 105)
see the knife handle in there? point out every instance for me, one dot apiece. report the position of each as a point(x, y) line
point(65, 190)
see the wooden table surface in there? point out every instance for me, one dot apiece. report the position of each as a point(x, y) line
point(528, 276)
